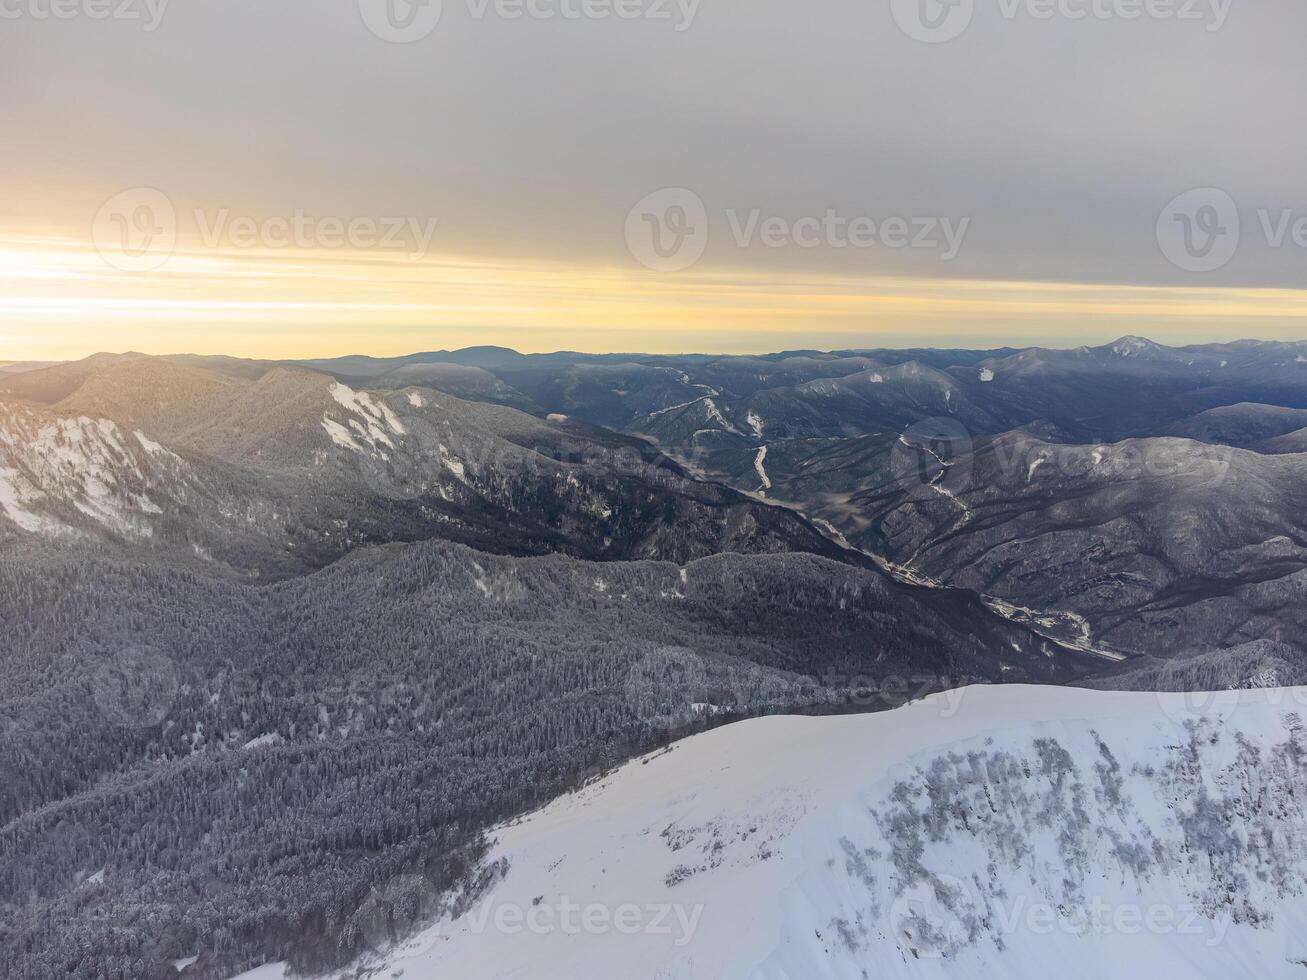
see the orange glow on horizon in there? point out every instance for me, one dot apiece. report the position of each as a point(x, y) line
point(59, 299)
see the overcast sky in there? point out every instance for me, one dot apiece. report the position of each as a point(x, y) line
point(1059, 141)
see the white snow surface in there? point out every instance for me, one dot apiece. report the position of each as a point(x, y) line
point(371, 428)
point(51, 463)
point(758, 464)
point(715, 415)
point(1005, 832)
point(263, 741)
point(370, 424)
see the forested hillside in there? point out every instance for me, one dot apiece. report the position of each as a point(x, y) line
point(192, 764)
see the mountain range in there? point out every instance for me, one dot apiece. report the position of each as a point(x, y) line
point(278, 635)
point(839, 436)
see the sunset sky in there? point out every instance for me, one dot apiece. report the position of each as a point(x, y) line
point(506, 156)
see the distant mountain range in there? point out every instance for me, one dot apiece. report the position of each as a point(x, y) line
point(1136, 541)
point(405, 599)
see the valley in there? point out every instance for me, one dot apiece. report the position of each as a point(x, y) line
point(411, 600)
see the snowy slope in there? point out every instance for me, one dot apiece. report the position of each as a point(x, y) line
point(60, 472)
point(989, 832)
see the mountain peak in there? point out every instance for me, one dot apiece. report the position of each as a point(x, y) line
point(1132, 346)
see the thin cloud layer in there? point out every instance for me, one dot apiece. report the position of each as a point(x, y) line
point(1052, 136)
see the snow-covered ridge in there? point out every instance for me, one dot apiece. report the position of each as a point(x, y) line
point(369, 424)
point(988, 832)
point(57, 469)
point(370, 428)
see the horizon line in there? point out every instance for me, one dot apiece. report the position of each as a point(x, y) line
point(795, 351)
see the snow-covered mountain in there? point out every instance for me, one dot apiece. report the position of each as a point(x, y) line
point(1163, 545)
point(986, 832)
point(1090, 484)
point(291, 470)
point(385, 604)
point(58, 473)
